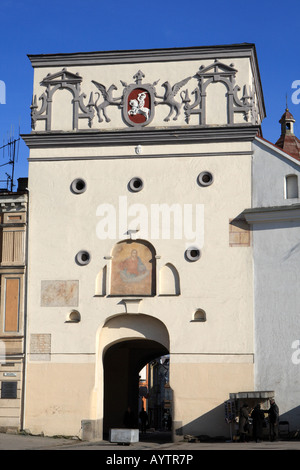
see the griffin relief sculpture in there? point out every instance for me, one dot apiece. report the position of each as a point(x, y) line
point(108, 100)
point(169, 98)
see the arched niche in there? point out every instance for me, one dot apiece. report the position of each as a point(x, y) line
point(62, 110)
point(133, 269)
point(199, 315)
point(217, 104)
point(169, 282)
point(62, 88)
point(101, 280)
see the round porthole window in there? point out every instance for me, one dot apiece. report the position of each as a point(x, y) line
point(78, 186)
point(136, 184)
point(205, 178)
point(192, 254)
point(83, 258)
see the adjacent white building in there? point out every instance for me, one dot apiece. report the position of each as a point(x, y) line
point(13, 277)
point(275, 234)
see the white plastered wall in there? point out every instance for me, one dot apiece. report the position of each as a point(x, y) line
point(219, 283)
point(208, 359)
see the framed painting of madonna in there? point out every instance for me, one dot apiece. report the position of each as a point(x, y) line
point(133, 269)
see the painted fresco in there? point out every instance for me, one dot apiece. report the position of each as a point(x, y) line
point(132, 269)
point(59, 293)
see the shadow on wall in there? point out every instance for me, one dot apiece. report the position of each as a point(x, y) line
point(213, 425)
point(209, 424)
point(292, 416)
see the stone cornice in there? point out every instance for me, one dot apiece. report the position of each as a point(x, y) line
point(149, 136)
point(139, 157)
point(144, 55)
point(13, 203)
point(262, 215)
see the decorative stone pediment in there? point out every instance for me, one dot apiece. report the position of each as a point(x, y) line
point(217, 68)
point(64, 77)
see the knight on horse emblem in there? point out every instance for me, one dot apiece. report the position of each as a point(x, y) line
point(138, 105)
point(139, 101)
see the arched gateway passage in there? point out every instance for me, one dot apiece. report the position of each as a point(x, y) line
point(131, 342)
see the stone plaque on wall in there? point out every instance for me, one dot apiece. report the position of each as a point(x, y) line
point(59, 293)
point(40, 347)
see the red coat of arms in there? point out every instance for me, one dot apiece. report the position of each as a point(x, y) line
point(138, 102)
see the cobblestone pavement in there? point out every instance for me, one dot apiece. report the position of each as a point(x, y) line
point(158, 442)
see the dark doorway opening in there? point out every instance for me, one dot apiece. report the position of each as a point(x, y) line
point(122, 363)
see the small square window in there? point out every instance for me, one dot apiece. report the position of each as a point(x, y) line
point(291, 187)
point(9, 389)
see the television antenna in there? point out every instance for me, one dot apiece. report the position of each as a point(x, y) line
point(10, 152)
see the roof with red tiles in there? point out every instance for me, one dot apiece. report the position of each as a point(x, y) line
point(287, 140)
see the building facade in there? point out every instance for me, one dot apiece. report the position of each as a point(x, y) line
point(13, 213)
point(140, 170)
point(275, 223)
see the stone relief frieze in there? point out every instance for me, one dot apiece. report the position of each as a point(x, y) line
point(108, 100)
point(169, 98)
point(58, 81)
point(137, 102)
point(218, 72)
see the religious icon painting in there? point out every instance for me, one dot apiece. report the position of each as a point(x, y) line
point(132, 266)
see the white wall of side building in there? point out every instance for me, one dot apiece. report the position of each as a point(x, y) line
point(275, 231)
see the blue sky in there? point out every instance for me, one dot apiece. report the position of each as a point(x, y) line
point(35, 27)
